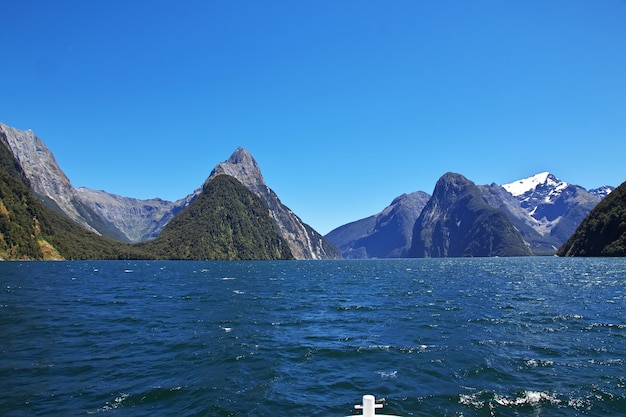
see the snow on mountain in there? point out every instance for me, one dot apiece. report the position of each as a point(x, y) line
point(523, 186)
point(556, 206)
point(602, 191)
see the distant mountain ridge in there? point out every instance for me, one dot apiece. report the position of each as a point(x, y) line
point(556, 207)
point(103, 213)
point(543, 209)
point(32, 231)
point(464, 220)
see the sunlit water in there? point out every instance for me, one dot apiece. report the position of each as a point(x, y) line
point(430, 337)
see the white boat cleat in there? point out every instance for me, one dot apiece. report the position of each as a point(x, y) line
point(369, 407)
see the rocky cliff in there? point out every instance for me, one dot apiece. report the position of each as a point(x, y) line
point(30, 230)
point(110, 215)
point(45, 177)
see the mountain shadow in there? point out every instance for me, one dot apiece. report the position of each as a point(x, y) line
point(387, 234)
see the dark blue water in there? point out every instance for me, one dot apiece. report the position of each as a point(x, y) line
point(432, 337)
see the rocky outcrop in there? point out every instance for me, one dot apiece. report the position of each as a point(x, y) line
point(387, 234)
point(457, 222)
point(304, 242)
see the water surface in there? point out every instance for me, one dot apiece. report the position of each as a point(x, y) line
point(431, 337)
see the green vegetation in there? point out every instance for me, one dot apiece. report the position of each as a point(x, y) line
point(227, 221)
point(29, 230)
point(603, 231)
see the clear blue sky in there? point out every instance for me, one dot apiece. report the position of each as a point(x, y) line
point(344, 104)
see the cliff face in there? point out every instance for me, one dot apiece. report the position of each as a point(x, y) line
point(117, 217)
point(45, 177)
point(303, 241)
point(457, 222)
point(30, 230)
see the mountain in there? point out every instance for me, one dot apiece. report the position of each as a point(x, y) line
point(553, 207)
point(45, 178)
point(225, 222)
point(387, 234)
point(457, 222)
point(544, 210)
point(133, 220)
point(539, 243)
point(303, 241)
point(121, 218)
point(30, 230)
point(603, 231)
point(602, 191)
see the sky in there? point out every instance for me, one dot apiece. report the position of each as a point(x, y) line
point(344, 104)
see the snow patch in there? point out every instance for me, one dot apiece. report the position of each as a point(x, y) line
point(521, 187)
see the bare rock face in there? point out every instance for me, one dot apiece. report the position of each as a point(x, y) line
point(136, 220)
point(304, 242)
point(47, 180)
point(114, 216)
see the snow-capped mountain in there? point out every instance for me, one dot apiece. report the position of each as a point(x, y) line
point(556, 207)
point(543, 181)
point(602, 191)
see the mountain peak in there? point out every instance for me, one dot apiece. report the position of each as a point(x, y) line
point(243, 167)
point(303, 241)
point(450, 185)
point(523, 186)
point(241, 156)
point(456, 221)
